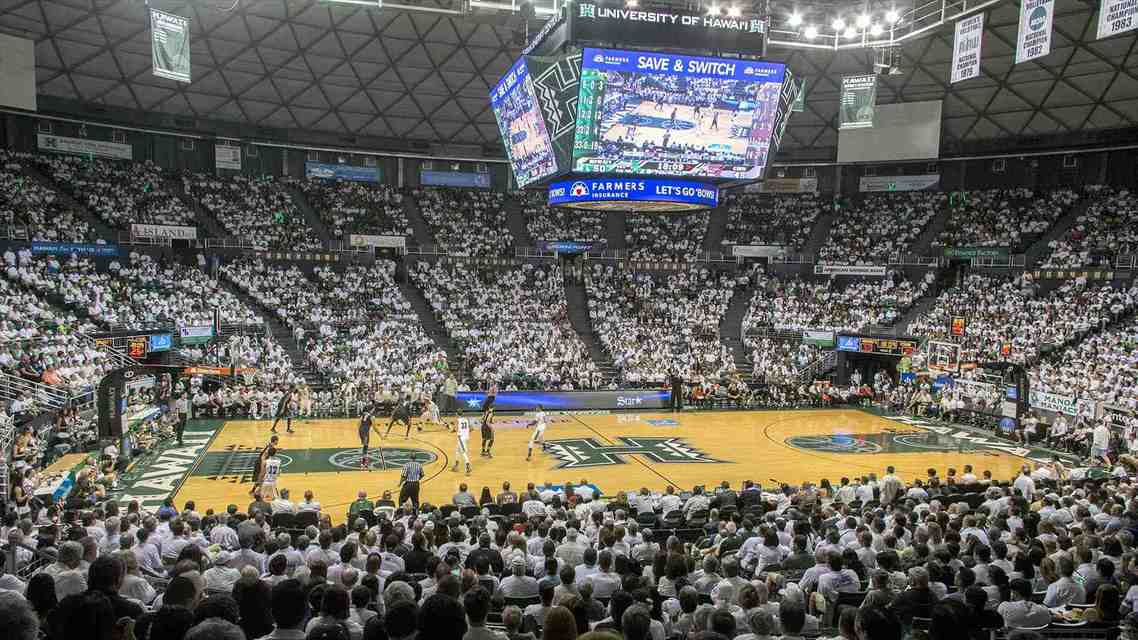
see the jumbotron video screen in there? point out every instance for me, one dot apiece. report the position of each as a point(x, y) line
point(527, 141)
point(643, 113)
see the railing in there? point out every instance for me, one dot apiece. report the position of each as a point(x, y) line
point(126, 237)
point(997, 262)
point(772, 333)
point(808, 372)
point(15, 232)
point(1126, 262)
point(229, 243)
point(914, 261)
point(14, 387)
point(791, 258)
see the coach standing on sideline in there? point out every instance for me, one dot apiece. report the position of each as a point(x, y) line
point(677, 384)
point(450, 393)
point(409, 478)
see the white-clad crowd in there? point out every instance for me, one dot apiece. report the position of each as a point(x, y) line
point(513, 323)
point(673, 237)
point(778, 362)
point(556, 223)
point(879, 227)
point(1108, 228)
point(356, 207)
point(771, 219)
point(653, 325)
point(1103, 366)
point(1010, 218)
point(466, 222)
point(254, 209)
point(119, 192)
point(25, 202)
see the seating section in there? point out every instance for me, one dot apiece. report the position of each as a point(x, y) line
point(467, 222)
point(771, 219)
point(512, 324)
point(1011, 218)
point(1107, 229)
point(1102, 366)
point(554, 223)
point(255, 210)
point(664, 236)
point(356, 207)
point(652, 324)
point(24, 202)
point(880, 227)
point(119, 192)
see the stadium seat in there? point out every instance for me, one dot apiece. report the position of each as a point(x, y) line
point(698, 518)
point(284, 520)
point(307, 518)
point(673, 519)
point(469, 512)
point(522, 603)
point(646, 519)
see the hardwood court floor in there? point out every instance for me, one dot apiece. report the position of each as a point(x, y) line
point(613, 452)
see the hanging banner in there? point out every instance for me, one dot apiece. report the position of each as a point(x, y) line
point(784, 185)
point(925, 182)
point(800, 100)
point(1063, 404)
point(173, 232)
point(966, 48)
point(858, 101)
point(84, 147)
point(1117, 16)
point(227, 157)
point(849, 270)
point(1034, 38)
point(170, 45)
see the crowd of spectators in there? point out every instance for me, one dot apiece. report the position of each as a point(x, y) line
point(556, 223)
point(1103, 366)
point(671, 237)
point(119, 192)
point(254, 209)
point(1011, 218)
point(1106, 229)
point(1007, 321)
point(24, 202)
point(356, 207)
point(879, 227)
point(467, 222)
point(771, 219)
point(654, 325)
point(513, 324)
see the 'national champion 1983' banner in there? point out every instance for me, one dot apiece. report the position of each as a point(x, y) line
point(1034, 38)
point(857, 102)
point(1117, 16)
point(170, 45)
point(966, 48)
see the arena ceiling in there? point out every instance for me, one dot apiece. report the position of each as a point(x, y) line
point(425, 76)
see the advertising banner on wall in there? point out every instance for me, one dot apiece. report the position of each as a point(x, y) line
point(1067, 405)
point(966, 48)
point(1117, 16)
point(170, 45)
point(83, 146)
point(68, 248)
point(673, 26)
point(849, 270)
point(163, 231)
point(569, 400)
point(329, 171)
point(758, 250)
point(926, 182)
point(784, 185)
point(226, 156)
point(199, 334)
point(976, 252)
point(454, 179)
point(1034, 38)
point(383, 242)
point(858, 101)
point(825, 339)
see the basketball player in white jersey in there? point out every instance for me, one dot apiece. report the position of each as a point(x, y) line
point(269, 475)
point(538, 435)
point(461, 442)
point(431, 412)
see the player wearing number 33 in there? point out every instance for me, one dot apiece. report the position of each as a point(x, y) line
point(461, 443)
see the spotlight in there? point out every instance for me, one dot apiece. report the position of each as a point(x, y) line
point(892, 17)
point(838, 24)
point(713, 10)
point(876, 29)
point(850, 33)
point(811, 32)
point(862, 21)
point(795, 19)
point(734, 12)
point(631, 4)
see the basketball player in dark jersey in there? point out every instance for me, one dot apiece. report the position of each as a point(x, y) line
point(262, 455)
point(402, 413)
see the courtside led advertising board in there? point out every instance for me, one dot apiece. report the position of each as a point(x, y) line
point(523, 130)
point(643, 113)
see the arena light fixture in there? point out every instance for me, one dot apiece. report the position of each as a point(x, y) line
point(734, 12)
point(876, 29)
point(795, 19)
point(862, 21)
point(838, 24)
point(811, 32)
point(850, 33)
point(713, 10)
point(892, 16)
point(632, 4)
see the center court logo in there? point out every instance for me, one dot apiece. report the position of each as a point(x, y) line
point(393, 458)
point(579, 189)
point(574, 453)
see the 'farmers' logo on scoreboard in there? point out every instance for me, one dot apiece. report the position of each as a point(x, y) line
point(579, 189)
point(574, 453)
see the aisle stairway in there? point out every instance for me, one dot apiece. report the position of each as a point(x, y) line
point(310, 215)
point(716, 226)
point(578, 306)
point(731, 328)
point(1038, 251)
point(279, 330)
point(819, 234)
point(614, 230)
point(516, 222)
point(422, 230)
point(100, 228)
point(431, 324)
point(210, 226)
point(922, 246)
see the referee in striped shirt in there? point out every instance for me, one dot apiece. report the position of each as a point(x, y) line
point(409, 478)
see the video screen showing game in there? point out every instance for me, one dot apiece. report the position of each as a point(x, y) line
point(667, 114)
point(527, 141)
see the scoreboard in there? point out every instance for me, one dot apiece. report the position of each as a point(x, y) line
point(896, 347)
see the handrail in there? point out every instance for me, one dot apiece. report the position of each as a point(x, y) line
point(1126, 262)
point(15, 232)
point(825, 361)
point(914, 260)
point(791, 258)
point(13, 387)
point(1009, 261)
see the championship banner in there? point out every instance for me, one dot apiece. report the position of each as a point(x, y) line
point(966, 48)
point(170, 45)
point(163, 231)
point(800, 100)
point(84, 147)
point(381, 242)
point(758, 251)
point(858, 101)
point(849, 270)
point(926, 182)
point(227, 157)
point(1116, 16)
point(1034, 37)
point(68, 248)
point(688, 28)
point(976, 252)
point(347, 172)
point(1067, 405)
point(784, 185)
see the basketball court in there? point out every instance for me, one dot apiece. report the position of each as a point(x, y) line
point(613, 452)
